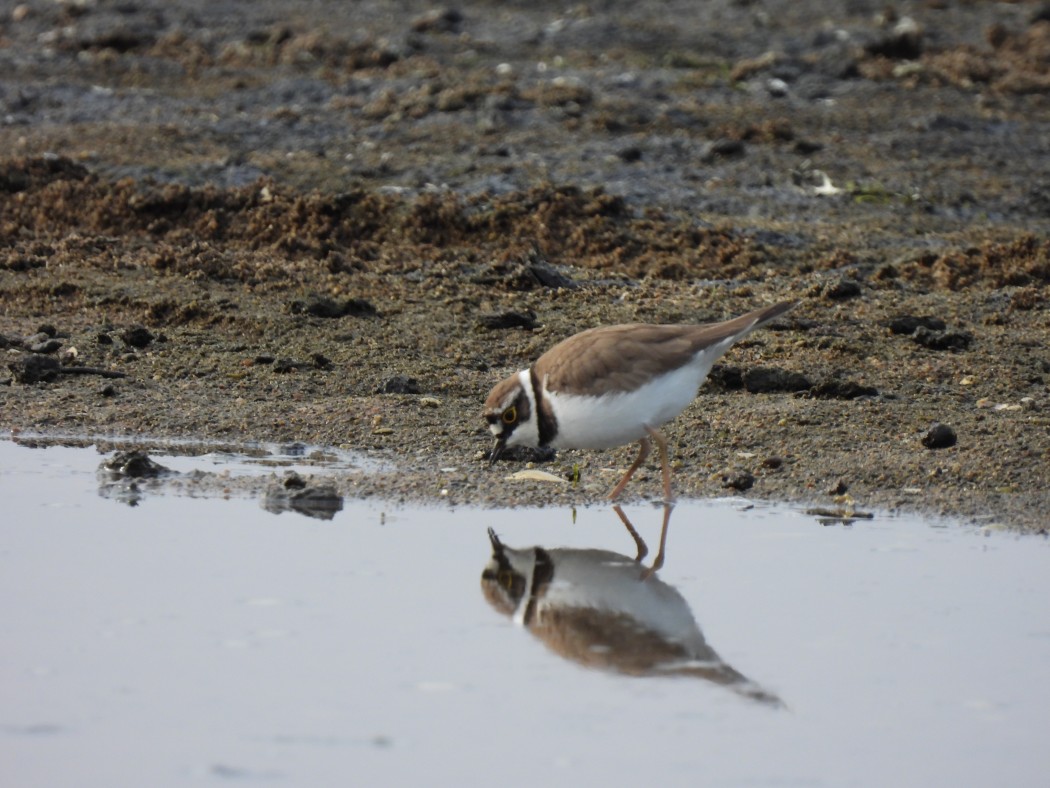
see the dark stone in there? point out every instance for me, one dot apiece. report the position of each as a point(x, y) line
point(321, 361)
point(109, 390)
point(323, 306)
point(524, 274)
point(939, 436)
point(528, 454)
point(722, 149)
point(738, 480)
point(547, 276)
point(360, 307)
point(48, 346)
point(807, 147)
point(263, 358)
point(400, 384)
point(843, 289)
point(903, 42)
point(840, 487)
point(295, 494)
point(631, 154)
point(438, 20)
point(764, 380)
point(526, 320)
point(773, 463)
point(120, 39)
point(293, 481)
point(908, 324)
point(137, 337)
point(842, 389)
point(318, 307)
point(942, 340)
point(283, 366)
point(104, 339)
point(34, 368)
point(135, 465)
point(725, 377)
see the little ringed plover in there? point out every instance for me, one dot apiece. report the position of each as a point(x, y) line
point(613, 385)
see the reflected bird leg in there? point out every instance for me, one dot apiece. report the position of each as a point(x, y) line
point(643, 452)
point(658, 562)
point(643, 549)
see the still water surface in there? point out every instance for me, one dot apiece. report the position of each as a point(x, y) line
point(206, 640)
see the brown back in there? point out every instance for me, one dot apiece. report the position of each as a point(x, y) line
point(625, 357)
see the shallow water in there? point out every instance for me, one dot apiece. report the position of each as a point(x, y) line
point(188, 639)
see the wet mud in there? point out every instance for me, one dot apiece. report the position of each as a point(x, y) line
point(341, 224)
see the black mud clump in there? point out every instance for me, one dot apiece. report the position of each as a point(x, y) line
point(133, 465)
point(400, 384)
point(293, 493)
point(508, 319)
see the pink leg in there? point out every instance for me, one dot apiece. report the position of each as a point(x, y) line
point(643, 452)
point(665, 466)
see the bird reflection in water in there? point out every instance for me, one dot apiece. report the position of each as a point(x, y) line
point(607, 611)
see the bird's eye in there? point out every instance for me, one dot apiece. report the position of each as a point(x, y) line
point(506, 579)
point(510, 415)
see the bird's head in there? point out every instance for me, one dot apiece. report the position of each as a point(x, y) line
point(511, 415)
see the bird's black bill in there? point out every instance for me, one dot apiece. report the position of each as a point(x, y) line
point(497, 450)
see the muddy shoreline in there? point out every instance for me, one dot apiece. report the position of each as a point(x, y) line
point(343, 228)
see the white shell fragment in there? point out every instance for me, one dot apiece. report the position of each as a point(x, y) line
point(533, 475)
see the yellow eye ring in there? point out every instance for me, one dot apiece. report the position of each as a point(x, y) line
point(510, 415)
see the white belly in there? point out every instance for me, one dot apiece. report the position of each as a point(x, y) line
point(618, 419)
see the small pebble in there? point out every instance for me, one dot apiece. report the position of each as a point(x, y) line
point(137, 337)
point(630, 154)
point(839, 488)
point(908, 324)
point(400, 384)
point(777, 88)
point(134, 464)
point(284, 366)
point(939, 436)
point(843, 289)
point(738, 480)
point(763, 380)
point(942, 340)
point(325, 307)
point(842, 389)
point(48, 346)
point(509, 319)
point(721, 149)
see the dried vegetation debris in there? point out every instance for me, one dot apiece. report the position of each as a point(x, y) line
point(56, 204)
point(54, 197)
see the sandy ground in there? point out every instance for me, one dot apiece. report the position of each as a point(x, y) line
point(342, 223)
